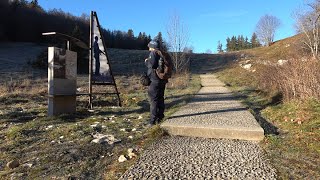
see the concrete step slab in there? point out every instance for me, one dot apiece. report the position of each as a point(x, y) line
point(249, 134)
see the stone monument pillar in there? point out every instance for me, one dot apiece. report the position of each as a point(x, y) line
point(62, 82)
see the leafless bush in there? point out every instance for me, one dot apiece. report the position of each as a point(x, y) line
point(179, 81)
point(178, 39)
point(308, 23)
point(298, 79)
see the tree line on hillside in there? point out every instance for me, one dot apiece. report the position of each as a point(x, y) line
point(240, 42)
point(21, 20)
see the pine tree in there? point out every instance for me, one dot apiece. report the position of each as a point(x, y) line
point(76, 32)
point(140, 36)
point(228, 44)
point(130, 34)
point(162, 43)
point(246, 43)
point(233, 43)
point(219, 48)
point(254, 41)
point(242, 43)
point(35, 4)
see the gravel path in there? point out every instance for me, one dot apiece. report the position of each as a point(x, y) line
point(199, 158)
point(177, 157)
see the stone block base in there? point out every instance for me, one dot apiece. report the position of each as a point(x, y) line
point(61, 105)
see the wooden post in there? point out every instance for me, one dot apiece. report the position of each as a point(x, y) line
point(105, 51)
point(90, 63)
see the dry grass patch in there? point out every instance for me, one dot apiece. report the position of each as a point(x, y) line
point(297, 79)
point(61, 147)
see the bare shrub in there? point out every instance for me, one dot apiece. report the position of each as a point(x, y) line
point(296, 80)
point(179, 81)
point(308, 23)
point(178, 39)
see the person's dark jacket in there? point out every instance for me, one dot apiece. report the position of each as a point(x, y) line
point(152, 64)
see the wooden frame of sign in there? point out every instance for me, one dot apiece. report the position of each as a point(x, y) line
point(106, 78)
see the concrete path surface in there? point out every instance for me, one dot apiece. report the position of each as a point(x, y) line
point(214, 130)
point(214, 113)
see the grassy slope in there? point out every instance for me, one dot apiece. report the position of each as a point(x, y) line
point(61, 147)
point(292, 128)
point(25, 135)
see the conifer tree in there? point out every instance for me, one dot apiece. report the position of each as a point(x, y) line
point(219, 48)
point(140, 36)
point(246, 43)
point(228, 44)
point(254, 41)
point(130, 34)
point(233, 43)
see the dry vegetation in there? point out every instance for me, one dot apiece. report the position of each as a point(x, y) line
point(61, 147)
point(296, 80)
point(285, 100)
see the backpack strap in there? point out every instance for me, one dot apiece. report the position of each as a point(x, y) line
point(159, 53)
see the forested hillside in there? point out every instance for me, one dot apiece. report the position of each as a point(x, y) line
point(24, 21)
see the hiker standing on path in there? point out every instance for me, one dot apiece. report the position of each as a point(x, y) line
point(97, 53)
point(157, 87)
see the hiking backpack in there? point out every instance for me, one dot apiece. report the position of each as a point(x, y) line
point(164, 70)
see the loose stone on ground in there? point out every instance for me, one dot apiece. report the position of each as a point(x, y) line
point(199, 158)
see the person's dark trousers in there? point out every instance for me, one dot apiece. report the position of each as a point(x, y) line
point(156, 98)
point(97, 72)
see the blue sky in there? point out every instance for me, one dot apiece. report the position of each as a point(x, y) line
point(208, 21)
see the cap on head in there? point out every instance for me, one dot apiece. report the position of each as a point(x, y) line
point(153, 44)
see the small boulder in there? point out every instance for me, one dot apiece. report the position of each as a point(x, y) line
point(281, 62)
point(29, 165)
point(131, 153)
point(49, 127)
point(131, 150)
point(247, 66)
point(122, 158)
point(101, 138)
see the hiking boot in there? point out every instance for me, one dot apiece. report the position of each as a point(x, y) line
point(148, 126)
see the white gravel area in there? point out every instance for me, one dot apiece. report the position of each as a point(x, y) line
point(199, 158)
